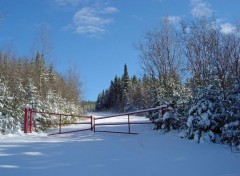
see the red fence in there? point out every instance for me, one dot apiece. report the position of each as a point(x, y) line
point(29, 121)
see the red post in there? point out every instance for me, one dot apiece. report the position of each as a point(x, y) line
point(94, 127)
point(129, 130)
point(25, 119)
point(31, 120)
point(60, 124)
point(91, 122)
point(163, 110)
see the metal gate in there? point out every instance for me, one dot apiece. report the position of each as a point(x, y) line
point(30, 123)
point(94, 123)
point(128, 120)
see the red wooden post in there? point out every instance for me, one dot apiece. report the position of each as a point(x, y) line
point(129, 130)
point(30, 123)
point(25, 119)
point(60, 124)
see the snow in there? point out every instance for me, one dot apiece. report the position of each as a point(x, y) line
point(166, 116)
point(104, 154)
point(189, 121)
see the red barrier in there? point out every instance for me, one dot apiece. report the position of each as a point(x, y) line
point(128, 123)
point(25, 120)
point(29, 122)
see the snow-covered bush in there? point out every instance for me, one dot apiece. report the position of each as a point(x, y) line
point(177, 97)
point(231, 129)
point(12, 107)
point(231, 133)
point(169, 121)
point(9, 125)
point(53, 103)
point(207, 114)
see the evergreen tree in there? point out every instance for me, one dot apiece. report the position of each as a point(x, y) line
point(117, 93)
point(32, 94)
point(19, 99)
point(28, 81)
point(116, 96)
point(125, 79)
point(207, 115)
point(111, 95)
point(7, 123)
point(98, 106)
point(51, 77)
point(134, 95)
point(5, 99)
point(231, 129)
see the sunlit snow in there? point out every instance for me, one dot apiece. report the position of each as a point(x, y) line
point(103, 154)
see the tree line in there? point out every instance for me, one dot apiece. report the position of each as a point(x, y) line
point(33, 83)
point(194, 68)
point(30, 82)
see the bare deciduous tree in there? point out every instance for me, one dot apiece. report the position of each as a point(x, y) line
point(161, 51)
point(210, 52)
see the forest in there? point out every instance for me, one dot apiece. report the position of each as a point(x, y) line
point(193, 68)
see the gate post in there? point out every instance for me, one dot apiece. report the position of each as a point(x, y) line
point(129, 129)
point(25, 120)
point(94, 127)
point(91, 122)
point(31, 120)
point(60, 124)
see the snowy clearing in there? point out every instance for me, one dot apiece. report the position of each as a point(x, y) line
point(104, 154)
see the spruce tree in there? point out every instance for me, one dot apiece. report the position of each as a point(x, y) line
point(231, 129)
point(207, 115)
point(19, 99)
point(125, 78)
point(7, 123)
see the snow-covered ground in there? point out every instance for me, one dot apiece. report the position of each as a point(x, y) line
point(104, 154)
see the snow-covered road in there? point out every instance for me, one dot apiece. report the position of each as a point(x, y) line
point(103, 154)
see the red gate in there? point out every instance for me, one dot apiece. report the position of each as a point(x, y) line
point(29, 122)
point(127, 122)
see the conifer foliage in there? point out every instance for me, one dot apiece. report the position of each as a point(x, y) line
point(207, 114)
point(231, 129)
point(116, 96)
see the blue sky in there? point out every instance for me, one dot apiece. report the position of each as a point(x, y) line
point(98, 36)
